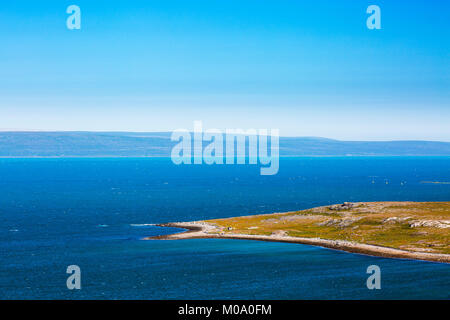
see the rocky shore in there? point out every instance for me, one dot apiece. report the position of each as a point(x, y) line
point(201, 229)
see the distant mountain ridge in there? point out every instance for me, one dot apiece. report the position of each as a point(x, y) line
point(152, 144)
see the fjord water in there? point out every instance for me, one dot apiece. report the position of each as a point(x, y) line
point(93, 213)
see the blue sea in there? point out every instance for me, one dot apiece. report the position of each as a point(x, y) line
point(94, 212)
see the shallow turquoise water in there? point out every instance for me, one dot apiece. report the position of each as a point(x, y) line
point(88, 212)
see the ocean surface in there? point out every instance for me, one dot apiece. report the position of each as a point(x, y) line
point(93, 213)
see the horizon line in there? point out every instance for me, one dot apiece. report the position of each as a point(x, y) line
point(169, 132)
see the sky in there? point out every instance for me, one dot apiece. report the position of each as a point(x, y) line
point(307, 68)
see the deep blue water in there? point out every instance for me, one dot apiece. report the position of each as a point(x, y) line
point(87, 212)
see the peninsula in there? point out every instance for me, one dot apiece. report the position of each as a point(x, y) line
point(409, 230)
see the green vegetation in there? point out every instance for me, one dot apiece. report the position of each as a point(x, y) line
point(412, 226)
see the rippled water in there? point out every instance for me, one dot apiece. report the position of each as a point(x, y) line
point(93, 213)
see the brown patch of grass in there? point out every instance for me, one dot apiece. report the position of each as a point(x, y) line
point(369, 227)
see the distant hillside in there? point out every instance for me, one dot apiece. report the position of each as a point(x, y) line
point(103, 144)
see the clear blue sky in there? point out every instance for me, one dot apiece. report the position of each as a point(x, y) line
point(309, 68)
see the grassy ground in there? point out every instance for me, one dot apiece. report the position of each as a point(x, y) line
point(413, 226)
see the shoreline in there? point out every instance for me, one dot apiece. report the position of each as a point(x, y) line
point(204, 230)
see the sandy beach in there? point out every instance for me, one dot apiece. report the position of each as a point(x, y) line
point(201, 229)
